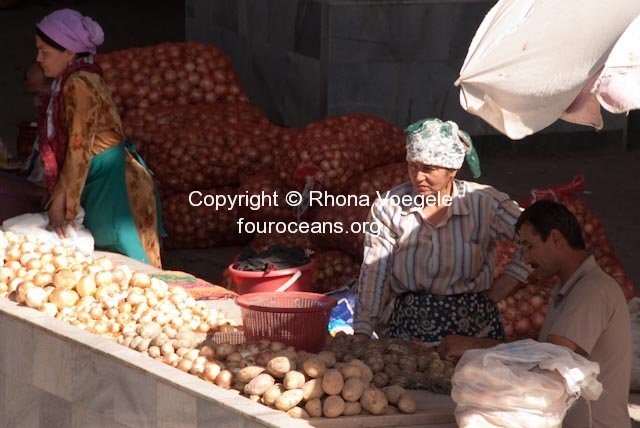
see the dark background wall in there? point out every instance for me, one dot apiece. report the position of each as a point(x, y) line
point(126, 23)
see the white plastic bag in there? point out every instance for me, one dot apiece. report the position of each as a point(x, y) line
point(521, 384)
point(634, 315)
point(35, 224)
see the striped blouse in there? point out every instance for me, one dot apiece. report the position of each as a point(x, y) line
point(411, 254)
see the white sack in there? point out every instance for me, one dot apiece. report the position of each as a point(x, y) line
point(618, 87)
point(35, 224)
point(530, 59)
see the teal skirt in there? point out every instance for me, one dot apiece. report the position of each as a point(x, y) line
point(105, 201)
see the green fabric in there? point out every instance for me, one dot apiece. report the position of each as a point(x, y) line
point(106, 204)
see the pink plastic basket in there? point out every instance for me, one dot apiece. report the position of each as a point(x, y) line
point(294, 318)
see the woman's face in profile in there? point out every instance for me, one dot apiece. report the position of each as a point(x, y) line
point(52, 61)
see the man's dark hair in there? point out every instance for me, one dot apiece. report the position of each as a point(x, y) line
point(545, 216)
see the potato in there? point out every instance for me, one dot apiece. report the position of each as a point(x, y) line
point(314, 408)
point(263, 358)
point(277, 346)
point(352, 408)
point(391, 410)
point(328, 358)
point(223, 350)
point(407, 404)
point(353, 389)
point(289, 399)
point(259, 384)
point(381, 379)
point(312, 389)
point(280, 366)
point(292, 355)
point(348, 371)
point(254, 398)
point(298, 413)
point(393, 393)
point(332, 382)
point(333, 406)
point(374, 401)
point(272, 393)
point(293, 380)
point(367, 374)
point(314, 367)
point(246, 374)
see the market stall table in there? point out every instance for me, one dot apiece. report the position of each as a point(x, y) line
point(55, 374)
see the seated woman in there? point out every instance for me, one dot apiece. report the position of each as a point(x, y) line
point(429, 272)
point(87, 161)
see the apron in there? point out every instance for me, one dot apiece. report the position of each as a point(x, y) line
point(106, 204)
point(430, 318)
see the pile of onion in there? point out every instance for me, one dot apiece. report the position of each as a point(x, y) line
point(203, 146)
point(337, 149)
point(350, 242)
point(201, 227)
point(170, 73)
point(598, 244)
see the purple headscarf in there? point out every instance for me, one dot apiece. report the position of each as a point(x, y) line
point(72, 31)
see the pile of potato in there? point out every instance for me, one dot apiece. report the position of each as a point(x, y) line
point(396, 362)
point(302, 384)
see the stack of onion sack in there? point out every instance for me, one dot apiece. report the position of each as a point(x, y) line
point(593, 231)
point(170, 73)
point(274, 208)
point(336, 269)
point(351, 240)
point(523, 312)
point(201, 226)
point(203, 146)
point(337, 149)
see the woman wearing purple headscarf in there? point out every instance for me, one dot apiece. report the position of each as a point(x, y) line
point(87, 161)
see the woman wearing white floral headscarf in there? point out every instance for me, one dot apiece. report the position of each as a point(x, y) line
point(429, 272)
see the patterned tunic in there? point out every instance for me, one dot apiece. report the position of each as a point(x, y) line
point(94, 125)
point(455, 256)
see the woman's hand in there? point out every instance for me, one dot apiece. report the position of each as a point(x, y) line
point(452, 347)
point(57, 221)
